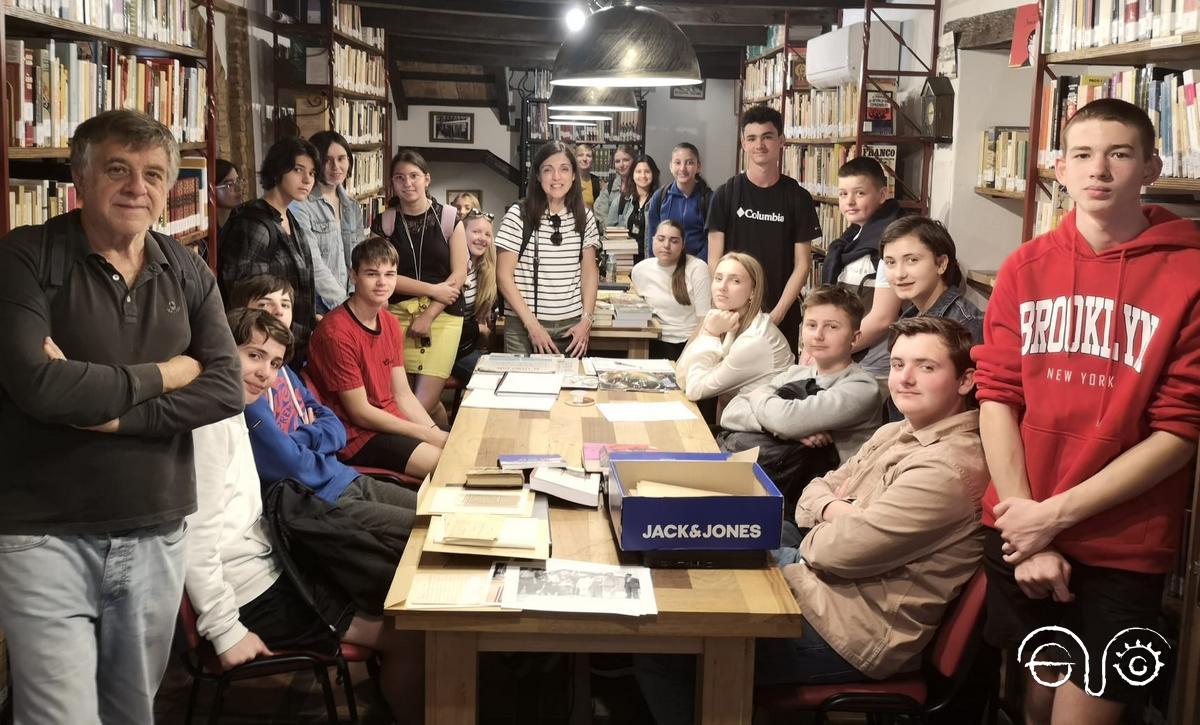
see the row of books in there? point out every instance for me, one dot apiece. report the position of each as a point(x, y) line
point(359, 121)
point(34, 201)
point(624, 127)
point(765, 77)
point(1167, 96)
point(187, 208)
point(1050, 211)
point(164, 21)
point(348, 20)
point(353, 69)
point(1003, 157)
point(833, 225)
point(1074, 24)
point(56, 85)
point(540, 79)
point(368, 176)
point(823, 113)
point(815, 167)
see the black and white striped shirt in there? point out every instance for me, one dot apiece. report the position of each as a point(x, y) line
point(559, 294)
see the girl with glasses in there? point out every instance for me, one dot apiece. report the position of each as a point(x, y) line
point(546, 260)
point(229, 190)
point(433, 267)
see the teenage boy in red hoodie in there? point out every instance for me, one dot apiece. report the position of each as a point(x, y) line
point(1089, 383)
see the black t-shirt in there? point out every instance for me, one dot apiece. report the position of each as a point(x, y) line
point(424, 253)
point(766, 224)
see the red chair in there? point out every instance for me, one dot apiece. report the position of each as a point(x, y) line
point(948, 662)
point(203, 665)
point(386, 474)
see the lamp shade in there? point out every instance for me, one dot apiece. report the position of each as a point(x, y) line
point(575, 98)
point(576, 116)
point(626, 46)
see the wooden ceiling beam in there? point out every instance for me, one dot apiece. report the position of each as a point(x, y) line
point(722, 13)
point(501, 29)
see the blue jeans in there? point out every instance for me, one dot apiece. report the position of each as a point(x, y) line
point(668, 682)
point(89, 621)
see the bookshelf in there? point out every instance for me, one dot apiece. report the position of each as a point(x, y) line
point(331, 73)
point(1151, 69)
point(76, 59)
point(770, 73)
point(825, 127)
point(626, 128)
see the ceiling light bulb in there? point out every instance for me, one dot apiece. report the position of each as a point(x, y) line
point(576, 19)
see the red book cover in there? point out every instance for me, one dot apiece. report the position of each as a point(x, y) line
point(1025, 37)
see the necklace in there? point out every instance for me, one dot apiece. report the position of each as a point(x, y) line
point(418, 261)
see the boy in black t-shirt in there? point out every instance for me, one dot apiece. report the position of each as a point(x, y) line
point(769, 216)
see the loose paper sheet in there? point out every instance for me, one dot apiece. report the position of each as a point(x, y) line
point(488, 399)
point(645, 412)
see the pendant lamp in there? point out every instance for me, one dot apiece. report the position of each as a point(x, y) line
point(590, 100)
point(626, 46)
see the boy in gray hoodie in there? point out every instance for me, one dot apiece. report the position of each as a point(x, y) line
point(810, 418)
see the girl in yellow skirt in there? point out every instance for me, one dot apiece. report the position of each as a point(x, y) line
point(432, 270)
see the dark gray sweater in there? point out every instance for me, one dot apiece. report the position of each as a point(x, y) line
point(59, 479)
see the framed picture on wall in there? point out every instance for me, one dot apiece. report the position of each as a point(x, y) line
point(451, 127)
point(689, 93)
point(452, 194)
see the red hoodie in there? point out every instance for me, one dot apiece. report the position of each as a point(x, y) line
point(1096, 351)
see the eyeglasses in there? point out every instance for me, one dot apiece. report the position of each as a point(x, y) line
point(235, 185)
point(412, 178)
point(481, 213)
point(556, 235)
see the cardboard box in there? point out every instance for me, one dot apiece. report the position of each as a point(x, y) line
point(744, 514)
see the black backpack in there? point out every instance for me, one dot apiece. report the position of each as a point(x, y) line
point(706, 195)
point(56, 263)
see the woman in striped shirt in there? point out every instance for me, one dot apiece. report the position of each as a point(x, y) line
point(546, 261)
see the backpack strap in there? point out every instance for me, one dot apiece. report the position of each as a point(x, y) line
point(449, 220)
point(185, 269)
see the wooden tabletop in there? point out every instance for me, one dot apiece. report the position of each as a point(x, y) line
point(691, 603)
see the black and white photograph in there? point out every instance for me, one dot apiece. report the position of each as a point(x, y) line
point(580, 586)
point(451, 127)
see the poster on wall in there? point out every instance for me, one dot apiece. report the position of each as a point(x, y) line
point(689, 93)
point(947, 60)
point(451, 127)
point(1025, 37)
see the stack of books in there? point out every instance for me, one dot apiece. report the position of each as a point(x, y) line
point(602, 315)
point(629, 313)
point(621, 247)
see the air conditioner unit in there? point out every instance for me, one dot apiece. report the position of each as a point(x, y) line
point(835, 58)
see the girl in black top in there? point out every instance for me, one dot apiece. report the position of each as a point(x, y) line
point(431, 273)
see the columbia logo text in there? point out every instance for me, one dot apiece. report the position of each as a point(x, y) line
point(759, 216)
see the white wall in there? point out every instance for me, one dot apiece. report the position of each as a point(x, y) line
point(489, 133)
point(498, 193)
point(985, 229)
point(711, 124)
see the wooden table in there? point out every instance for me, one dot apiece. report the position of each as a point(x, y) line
point(713, 613)
point(633, 341)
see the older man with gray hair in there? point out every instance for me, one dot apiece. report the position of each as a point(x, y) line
point(115, 347)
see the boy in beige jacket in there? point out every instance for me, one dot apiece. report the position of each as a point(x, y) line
point(894, 535)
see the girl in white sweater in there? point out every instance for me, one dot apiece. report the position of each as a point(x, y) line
point(676, 286)
point(738, 348)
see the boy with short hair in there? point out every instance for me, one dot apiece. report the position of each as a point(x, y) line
point(769, 216)
point(1096, 321)
point(246, 606)
point(893, 536)
point(293, 436)
point(356, 360)
point(853, 259)
point(823, 411)
point(264, 292)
